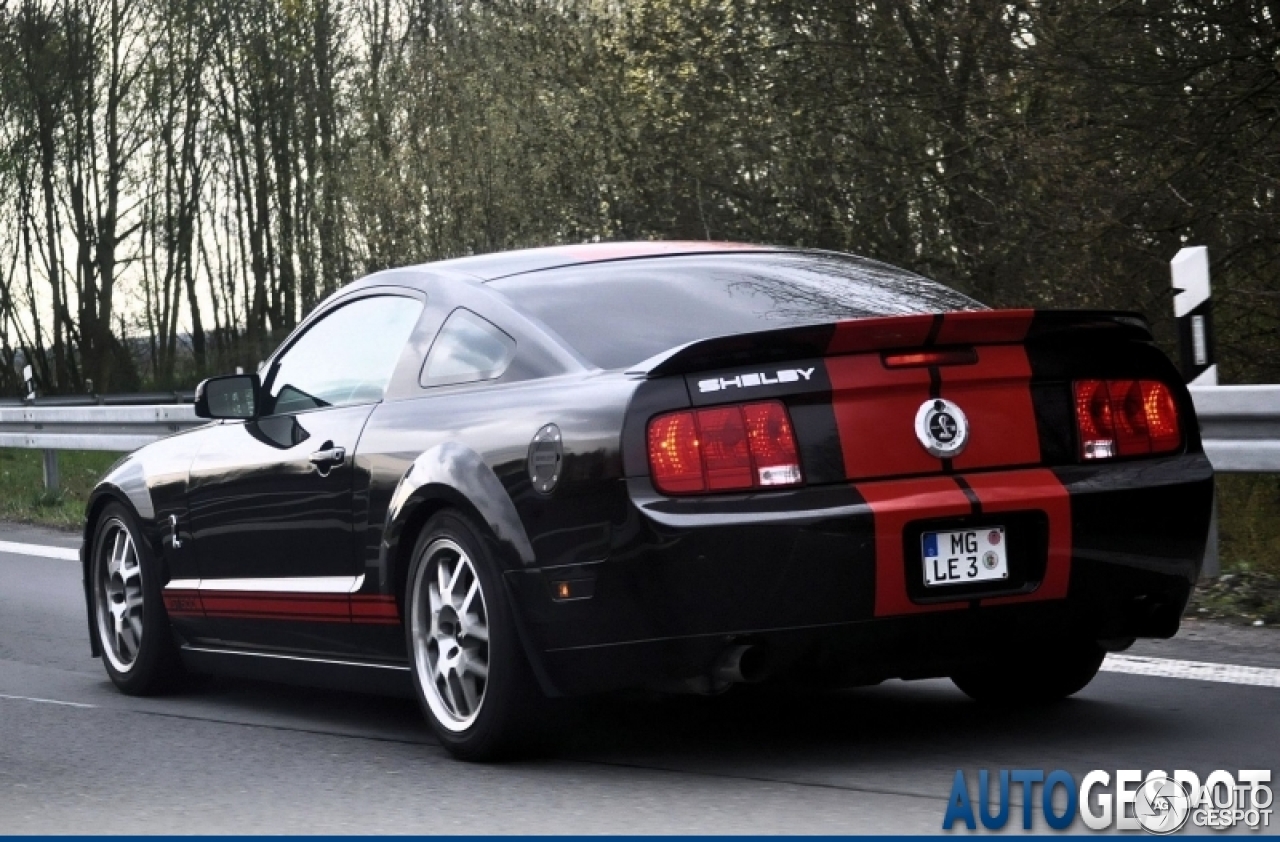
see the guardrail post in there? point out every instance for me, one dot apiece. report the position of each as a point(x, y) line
point(52, 481)
point(1211, 568)
point(1193, 308)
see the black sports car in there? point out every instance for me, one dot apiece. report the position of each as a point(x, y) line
point(502, 479)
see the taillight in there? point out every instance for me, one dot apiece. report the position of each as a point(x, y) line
point(673, 453)
point(724, 448)
point(1126, 418)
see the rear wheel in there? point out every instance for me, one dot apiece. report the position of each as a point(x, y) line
point(137, 644)
point(472, 679)
point(1045, 676)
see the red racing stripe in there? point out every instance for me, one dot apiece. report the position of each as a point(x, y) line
point(183, 602)
point(975, 327)
point(324, 608)
point(995, 395)
point(374, 609)
point(1041, 490)
point(875, 411)
point(894, 504)
point(363, 609)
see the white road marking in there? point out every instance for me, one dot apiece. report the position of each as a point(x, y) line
point(1195, 670)
point(46, 701)
point(62, 553)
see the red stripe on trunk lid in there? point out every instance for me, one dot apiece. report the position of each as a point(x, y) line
point(995, 395)
point(978, 326)
point(1039, 490)
point(875, 409)
point(894, 504)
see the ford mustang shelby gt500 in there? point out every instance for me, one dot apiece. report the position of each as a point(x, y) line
point(497, 480)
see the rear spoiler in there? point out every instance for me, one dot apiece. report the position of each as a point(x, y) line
point(879, 333)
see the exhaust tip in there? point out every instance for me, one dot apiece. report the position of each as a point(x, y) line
point(741, 663)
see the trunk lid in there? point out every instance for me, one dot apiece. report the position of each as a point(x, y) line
point(877, 398)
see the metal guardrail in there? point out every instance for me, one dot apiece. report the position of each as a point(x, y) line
point(1240, 426)
point(125, 399)
point(118, 428)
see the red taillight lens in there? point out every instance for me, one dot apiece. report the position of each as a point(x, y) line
point(1093, 418)
point(1125, 418)
point(1129, 417)
point(1162, 416)
point(773, 444)
point(725, 452)
point(673, 454)
point(725, 448)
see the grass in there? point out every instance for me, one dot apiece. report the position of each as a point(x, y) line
point(22, 493)
point(1249, 522)
point(1249, 544)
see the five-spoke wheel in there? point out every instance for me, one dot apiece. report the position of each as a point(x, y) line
point(132, 627)
point(119, 595)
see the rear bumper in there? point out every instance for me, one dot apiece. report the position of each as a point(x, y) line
point(823, 578)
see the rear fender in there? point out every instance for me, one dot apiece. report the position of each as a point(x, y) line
point(452, 475)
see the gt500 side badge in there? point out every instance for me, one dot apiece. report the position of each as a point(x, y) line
point(758, 378)
point(942, 428)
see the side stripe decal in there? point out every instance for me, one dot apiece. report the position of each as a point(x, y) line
point(375, 609)
point(228, 599)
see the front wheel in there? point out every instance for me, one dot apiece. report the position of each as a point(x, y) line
point(470, 673)
point(1046, 675)
point(137, 644)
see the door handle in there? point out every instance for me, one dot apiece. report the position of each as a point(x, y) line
point(328, 458)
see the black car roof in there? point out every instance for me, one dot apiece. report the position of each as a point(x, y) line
point(490, 267)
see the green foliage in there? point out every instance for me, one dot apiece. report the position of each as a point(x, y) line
point(172, 167)
point(23, 496)
point(1249, 522)
point(1049, 154)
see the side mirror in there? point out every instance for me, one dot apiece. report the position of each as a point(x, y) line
point(233, 396)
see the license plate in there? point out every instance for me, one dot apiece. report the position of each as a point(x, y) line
point(964, 556)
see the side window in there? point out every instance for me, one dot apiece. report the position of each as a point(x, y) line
point(347, 357)
point(468, 348)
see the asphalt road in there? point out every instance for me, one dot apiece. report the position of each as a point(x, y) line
point(242, 757)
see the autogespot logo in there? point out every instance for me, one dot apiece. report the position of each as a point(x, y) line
point(1158, 803)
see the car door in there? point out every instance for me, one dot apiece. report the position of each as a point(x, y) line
point(271, 499)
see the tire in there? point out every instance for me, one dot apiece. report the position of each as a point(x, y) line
point(469, 669)
point(138, 648)
point(1045, 676)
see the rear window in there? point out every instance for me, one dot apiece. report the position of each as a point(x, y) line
point(618, 314)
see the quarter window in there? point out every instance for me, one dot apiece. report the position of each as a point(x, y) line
point(346, 358)
point(469, 348)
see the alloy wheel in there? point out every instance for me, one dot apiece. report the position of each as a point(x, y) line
point(119, 595)
point(450, 634)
